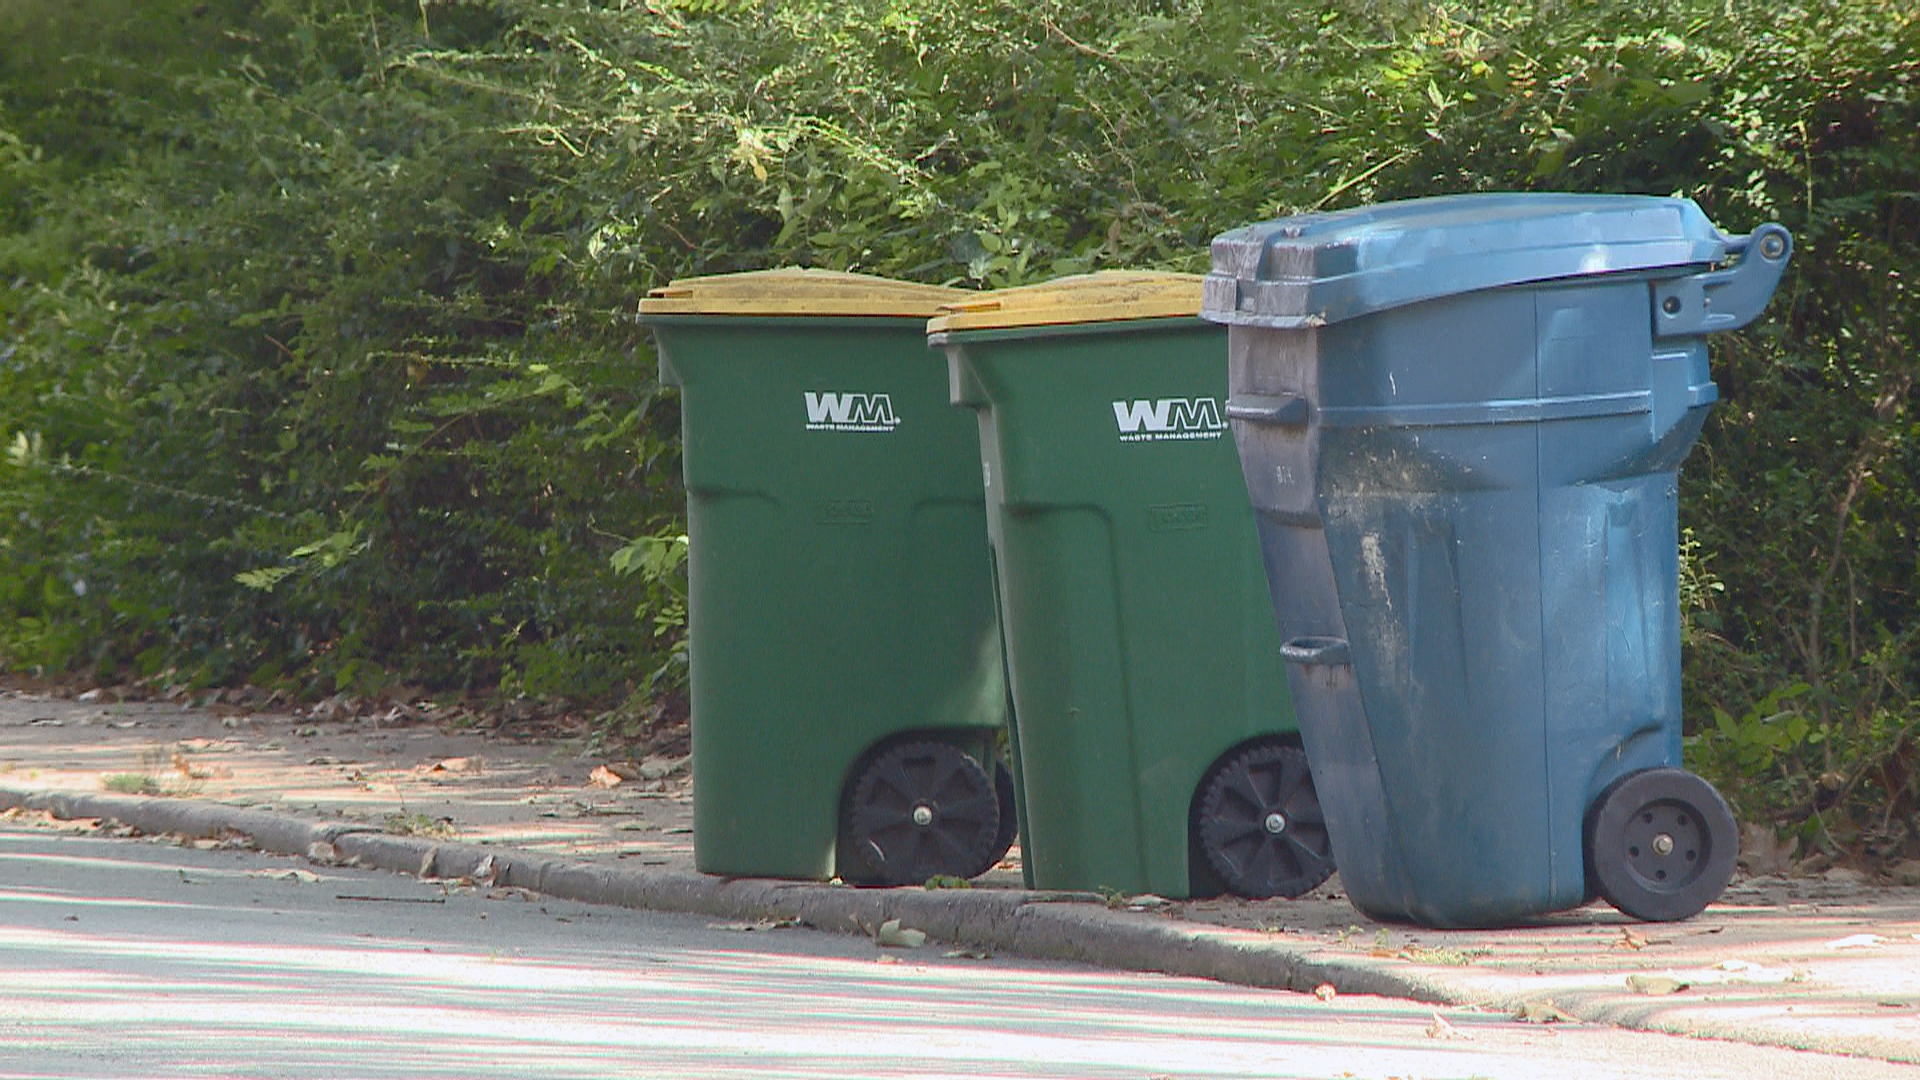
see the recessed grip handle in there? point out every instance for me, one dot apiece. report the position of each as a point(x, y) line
point(1316, 650)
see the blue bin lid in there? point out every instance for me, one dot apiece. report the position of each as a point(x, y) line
point(1316, 269)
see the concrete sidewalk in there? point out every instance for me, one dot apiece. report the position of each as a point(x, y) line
point(1829, 963)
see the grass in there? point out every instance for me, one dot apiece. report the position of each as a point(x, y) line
point(165, 773)
point(127, 783)
point(1442, 957)
point(404, 824)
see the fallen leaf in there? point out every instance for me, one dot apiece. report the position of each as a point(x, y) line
point(886, 960)
point(307, 877)
point(604, 777)
point(1656, 985)
point(1761, 851)
point(749, 927)
point(659, 768)
point(1325, 992)
point(1858, 941)
point(968, 954)
point(1440, 1029)
point(484, 871)
point(455, 764)
point(1542, 1012)
point(1746, 971)
point(892, 935)
point(1630, 940)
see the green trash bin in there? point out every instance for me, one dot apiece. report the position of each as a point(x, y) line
point(1154, 739)
point(847, 688)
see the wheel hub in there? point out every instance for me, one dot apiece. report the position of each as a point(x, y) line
point(1660, 844)
point(921, 809)
point(1663, 844)
point(1258, 823)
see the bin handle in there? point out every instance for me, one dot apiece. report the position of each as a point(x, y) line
point(1281, 410)
point(1729, 298)
point(1316, 650)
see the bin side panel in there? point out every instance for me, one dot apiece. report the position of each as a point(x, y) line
point(1436, 559)
point(1611, 608)
point(1279, 467)
point(1478, 347)
point(1333, 723)
point(1609, 543)
point(1069, 687)
point(1109, 470)
point(1200, 645)
point(838, 584)
point(766, 784)
point(1612, 648)
point(950, 622)
point(1016, 756)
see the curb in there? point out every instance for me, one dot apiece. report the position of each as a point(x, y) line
point(1037, 925)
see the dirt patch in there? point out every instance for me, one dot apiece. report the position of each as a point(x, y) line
point(396, 772)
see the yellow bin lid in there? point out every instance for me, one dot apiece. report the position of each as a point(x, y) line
point(1106, 296)
point(793, 291)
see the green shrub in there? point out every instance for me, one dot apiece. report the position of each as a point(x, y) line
point(318, 364)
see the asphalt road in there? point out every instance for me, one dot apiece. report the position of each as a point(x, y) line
point(137, 958)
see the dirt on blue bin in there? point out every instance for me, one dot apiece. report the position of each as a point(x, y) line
point(1460, 421)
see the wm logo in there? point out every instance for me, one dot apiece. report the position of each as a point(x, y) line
point(1168, 418)
point(850, 412)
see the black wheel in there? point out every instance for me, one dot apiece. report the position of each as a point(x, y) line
point(923, 809)
point(1009, 813)
point(1660, 844)
point(1260, 826)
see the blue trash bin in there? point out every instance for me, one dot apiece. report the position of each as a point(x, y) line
point(1461, 421)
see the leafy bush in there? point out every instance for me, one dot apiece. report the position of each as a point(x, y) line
point(319, 364)
point(298, 394)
